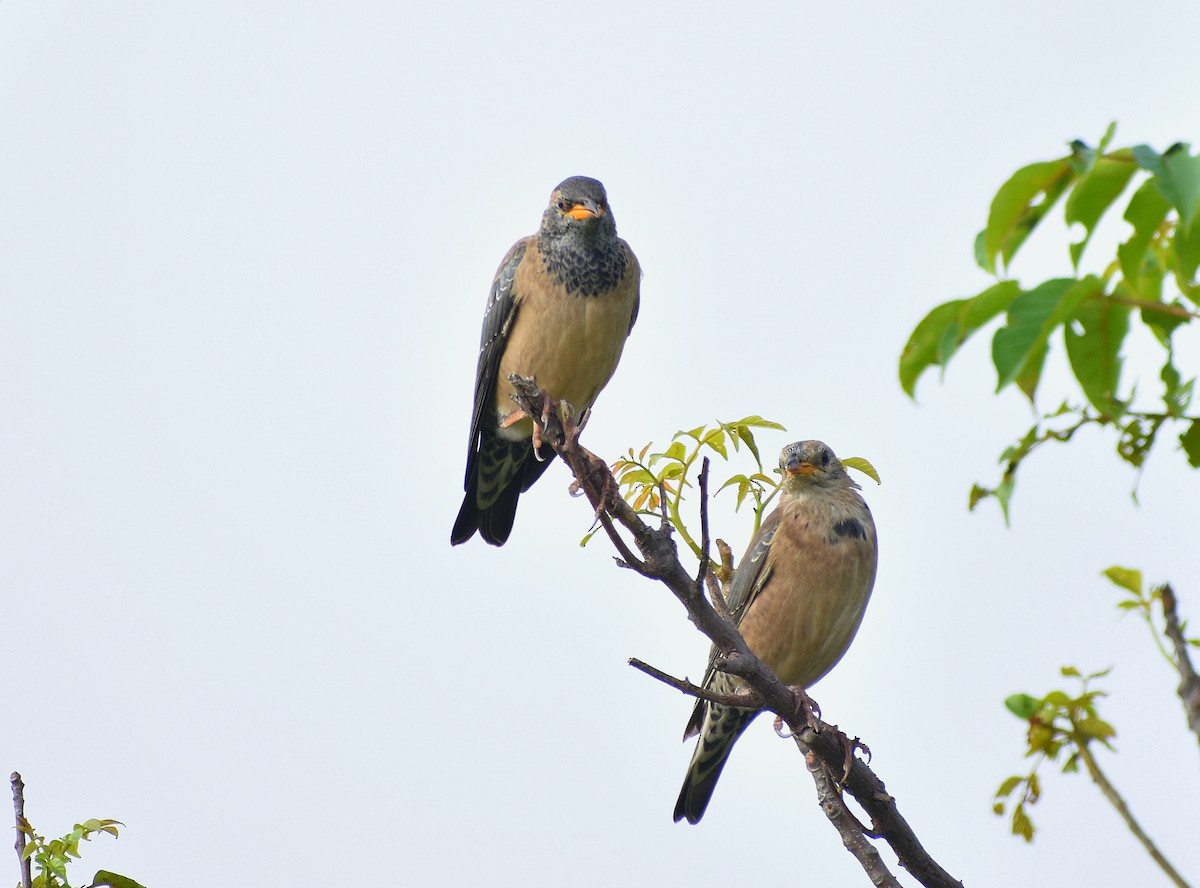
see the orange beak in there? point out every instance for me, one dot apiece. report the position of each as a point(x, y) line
point(583, 211)
point(805, 468)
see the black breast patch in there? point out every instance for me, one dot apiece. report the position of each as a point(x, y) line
point(850, 527)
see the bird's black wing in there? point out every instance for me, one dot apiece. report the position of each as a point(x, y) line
point(751, 575)
point(498, 319)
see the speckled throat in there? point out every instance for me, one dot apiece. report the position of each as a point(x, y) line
point(585, 269)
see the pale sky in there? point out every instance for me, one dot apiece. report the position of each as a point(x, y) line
point(244, 253)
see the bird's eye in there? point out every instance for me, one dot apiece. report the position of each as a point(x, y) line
point(824, 458)
point(564, 204)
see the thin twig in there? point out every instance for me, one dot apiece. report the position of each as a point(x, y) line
point(1189, 681)
point(1114, 798)
point(18, 791)
point(627, 558)
point(747, 699)
point(1162, 307)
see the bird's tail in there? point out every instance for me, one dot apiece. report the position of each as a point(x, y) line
point(497, 474)
point(723, 725)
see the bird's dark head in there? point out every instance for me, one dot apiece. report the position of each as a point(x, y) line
point(579, 206)
point(809, 462)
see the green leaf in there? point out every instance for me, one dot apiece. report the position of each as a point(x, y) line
point(1139, 264)
point(1007, 787)
point(1137, 439)
point(1095, 353)
point(1070, 672)
point(943, 331)
point(1092, 195)
point(637, 475)
point(1186, 247)
point(1095, 728)
point(104, 877)
point(1022, 706)
point(747, 437)
point(862, 465)
point(735, 479)
point(1177, 394)
point(743, 492)
point(1021, 824)
point(981, 256)
point(1020, 205)
point(757, 422)
point(925, 344)
point(716, 440)
point(1003, 494)
point(1057, 698)
point(1107, 138)
point(1033, 315)
point(674, 470)
point(1178, 176)
point(676, 452)
point(1083, 156)
point(1190, 442)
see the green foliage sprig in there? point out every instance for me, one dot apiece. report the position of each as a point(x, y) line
point(1152, 279)
point(51, 856)
point(653, 481)
point(1058, 722)
point(1141, 602)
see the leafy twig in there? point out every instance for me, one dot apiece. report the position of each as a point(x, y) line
point(1059, 722)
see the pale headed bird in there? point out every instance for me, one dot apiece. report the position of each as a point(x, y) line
point(797, 597)
point(560, 308)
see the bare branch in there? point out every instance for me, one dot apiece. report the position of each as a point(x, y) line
point(704, 540)
point(660, 561)
point(1189, 681)
point(18, 791)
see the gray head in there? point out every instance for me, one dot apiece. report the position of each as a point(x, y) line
point(578, 239)
point(811, 462)
point(579, 207)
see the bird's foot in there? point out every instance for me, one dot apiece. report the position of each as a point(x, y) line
point(549, 405)
point(849, 747)
point(513, 418)
point(571, 429)
point(806, 706)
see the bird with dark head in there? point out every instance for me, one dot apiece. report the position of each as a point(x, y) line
point(797, 597)
point(561, 306)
